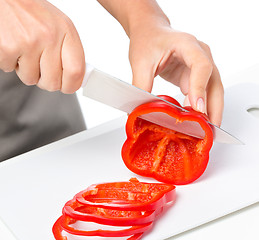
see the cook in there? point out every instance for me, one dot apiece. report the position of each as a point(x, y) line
point(42, 65)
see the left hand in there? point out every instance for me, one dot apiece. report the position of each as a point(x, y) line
point(180, 59)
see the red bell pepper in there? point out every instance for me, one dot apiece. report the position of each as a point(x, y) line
point(168, 156)
point(113, 217)
point(132, 195)
point(133, 205)
point(66, 221)
point(57, 232)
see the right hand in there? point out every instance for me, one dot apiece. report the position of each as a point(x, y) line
point(41, 44)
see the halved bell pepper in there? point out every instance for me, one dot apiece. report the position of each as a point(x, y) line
point(168, 156)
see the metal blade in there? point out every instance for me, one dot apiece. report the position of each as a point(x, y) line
point(126, 97)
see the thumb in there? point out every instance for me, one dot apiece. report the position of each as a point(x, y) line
point(143, 76)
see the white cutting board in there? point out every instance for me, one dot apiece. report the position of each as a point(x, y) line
point(34, 186)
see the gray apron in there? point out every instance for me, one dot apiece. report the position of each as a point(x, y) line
point(31, 117)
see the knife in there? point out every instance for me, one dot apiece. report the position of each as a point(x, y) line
point(121, 95)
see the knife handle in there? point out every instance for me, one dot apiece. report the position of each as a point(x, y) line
point(88, 70)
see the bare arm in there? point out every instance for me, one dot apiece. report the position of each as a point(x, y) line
point(157, 49)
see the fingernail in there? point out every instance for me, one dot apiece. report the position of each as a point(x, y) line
point(200, 106)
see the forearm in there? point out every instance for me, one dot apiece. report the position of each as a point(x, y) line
point(133, 14)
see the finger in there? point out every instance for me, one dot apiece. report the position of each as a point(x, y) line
point(215, 98)
point(73, 63)
point(215, 91)
point(8, 59)
point(199, 78)
point(201, 70)
point(50, 69)
point(184, 80)
point(143, 75)
point(186, 101)
point(28, 69)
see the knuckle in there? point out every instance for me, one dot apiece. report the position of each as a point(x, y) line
point(68, 23)
point(187, 40)
point(29, 42)
point(205, 46)
point(8, 51)
point(45, 34)
point(49, 33)
point(190, 37)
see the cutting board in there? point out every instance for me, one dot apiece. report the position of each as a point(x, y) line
point(35, 186)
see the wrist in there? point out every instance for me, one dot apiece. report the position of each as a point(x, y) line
point(144, 14)
point(134, 15)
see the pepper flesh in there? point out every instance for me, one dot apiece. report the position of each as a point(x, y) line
point(57, 232)
point(168, 156)
point(132, 205)
point(113, 217)
point(132, 195)
point(65, 222)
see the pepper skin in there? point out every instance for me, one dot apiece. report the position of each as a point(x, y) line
point(168, 156)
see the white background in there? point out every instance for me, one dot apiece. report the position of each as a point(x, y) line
point(230, 28)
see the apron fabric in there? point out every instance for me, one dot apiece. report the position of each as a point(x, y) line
point(31, 117)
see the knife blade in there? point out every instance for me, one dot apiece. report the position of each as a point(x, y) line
point(121, 95)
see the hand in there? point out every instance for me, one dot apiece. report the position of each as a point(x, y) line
point(180, 59)
point(41, 44)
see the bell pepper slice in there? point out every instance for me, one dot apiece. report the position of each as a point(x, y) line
point(119, 209)
point(113, 217)
point(57, 232)
point(66, 221)
point(168, 156)
point(132, 195)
